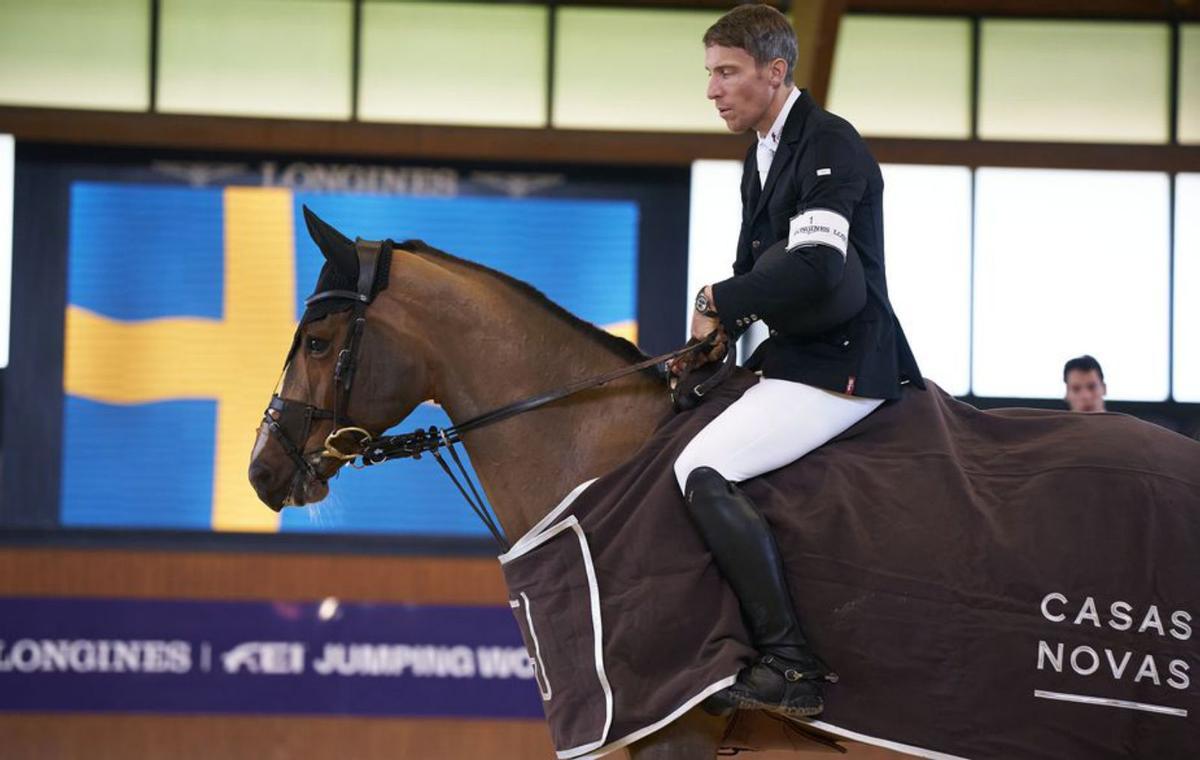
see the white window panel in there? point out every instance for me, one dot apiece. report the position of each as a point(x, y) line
point(1187, 288)
point(435, 62)
point(927, 227)
point(276, 58)
point(1189, 83)
point(1070, 263)
point(6, 207)
point(597, 48)
point(75, 54)
point(714, 220)
point(1086, 81)
point(928, 95)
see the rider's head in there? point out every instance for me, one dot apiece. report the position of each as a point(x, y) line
point(750, 53)
point(1085, 384)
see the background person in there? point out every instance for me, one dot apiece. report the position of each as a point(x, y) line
point(1085, 384)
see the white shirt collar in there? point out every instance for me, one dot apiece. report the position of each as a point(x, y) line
point(771, 138)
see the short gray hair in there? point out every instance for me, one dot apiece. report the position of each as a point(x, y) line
point(761, 31)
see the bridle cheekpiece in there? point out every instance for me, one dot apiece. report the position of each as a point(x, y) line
point(290, 420)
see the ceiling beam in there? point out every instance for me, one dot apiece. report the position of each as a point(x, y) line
point(1047, 155)
point(816, 23)
point(365, 140)
point(407, 142)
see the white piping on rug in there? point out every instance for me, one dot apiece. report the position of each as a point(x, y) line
point(597, 627)
point(907, 749)
point(644, 732)
point(531, 541)
point(537, 652)
point(519, 547)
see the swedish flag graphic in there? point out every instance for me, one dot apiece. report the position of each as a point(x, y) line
point(181, 304)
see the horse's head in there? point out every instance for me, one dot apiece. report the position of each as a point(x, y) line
point(352, 367)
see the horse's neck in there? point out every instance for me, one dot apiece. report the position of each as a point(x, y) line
point(501, 346)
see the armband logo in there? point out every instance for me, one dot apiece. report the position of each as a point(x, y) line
point(819, 226)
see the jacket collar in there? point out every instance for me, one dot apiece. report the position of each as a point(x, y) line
point(776, 129)
point(793, 127)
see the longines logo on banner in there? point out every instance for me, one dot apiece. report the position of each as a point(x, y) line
point(94, 656)
point(1144, 667)
point(358, 178)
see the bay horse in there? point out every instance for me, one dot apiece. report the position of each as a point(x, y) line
point(471, 339)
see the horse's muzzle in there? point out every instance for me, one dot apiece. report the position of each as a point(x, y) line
point(269, 490)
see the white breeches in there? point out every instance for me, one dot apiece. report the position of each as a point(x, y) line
point(774, 423)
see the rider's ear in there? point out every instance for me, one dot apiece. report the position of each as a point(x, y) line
point(337, 249)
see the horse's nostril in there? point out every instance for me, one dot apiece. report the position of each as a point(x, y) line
point(260, 476)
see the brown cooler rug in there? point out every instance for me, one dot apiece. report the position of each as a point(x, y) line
point(1005, 584)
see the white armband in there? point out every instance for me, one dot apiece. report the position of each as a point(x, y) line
point(819, 226)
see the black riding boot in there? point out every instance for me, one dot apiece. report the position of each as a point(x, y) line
point(788, 678)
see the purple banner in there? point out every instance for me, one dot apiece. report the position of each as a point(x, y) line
point(263, 657)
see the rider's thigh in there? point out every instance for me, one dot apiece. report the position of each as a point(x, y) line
point(775, 422)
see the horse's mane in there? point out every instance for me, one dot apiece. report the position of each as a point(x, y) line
point(620, 346)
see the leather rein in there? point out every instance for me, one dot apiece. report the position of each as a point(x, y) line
point(290, 420)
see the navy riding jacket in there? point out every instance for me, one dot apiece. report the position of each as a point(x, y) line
point(824, 193)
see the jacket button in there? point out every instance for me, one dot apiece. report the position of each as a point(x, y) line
point(755, 245)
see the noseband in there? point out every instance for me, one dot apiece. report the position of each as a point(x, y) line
point(291, 421)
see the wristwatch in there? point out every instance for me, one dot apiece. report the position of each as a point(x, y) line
point(703, 304)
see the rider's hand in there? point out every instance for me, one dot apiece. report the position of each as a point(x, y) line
point(691, 361)
point(702, 327)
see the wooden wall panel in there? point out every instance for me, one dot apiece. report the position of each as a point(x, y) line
point(218, 575)
point(225, 737)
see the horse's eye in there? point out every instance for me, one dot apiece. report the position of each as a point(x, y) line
point(316, 345)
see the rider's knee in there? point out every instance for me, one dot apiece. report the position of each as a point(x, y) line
point(702, 482)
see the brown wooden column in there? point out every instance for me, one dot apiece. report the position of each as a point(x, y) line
point(816, 23)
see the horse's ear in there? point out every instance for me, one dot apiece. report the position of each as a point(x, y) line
point(337, 249)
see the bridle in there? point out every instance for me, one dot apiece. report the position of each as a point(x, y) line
point(292, 420)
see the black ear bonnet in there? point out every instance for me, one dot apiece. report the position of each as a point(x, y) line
point(338, 287)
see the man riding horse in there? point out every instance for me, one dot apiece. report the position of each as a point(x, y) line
point(812, 195)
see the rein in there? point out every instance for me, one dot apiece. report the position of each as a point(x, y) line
point(373, 451)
